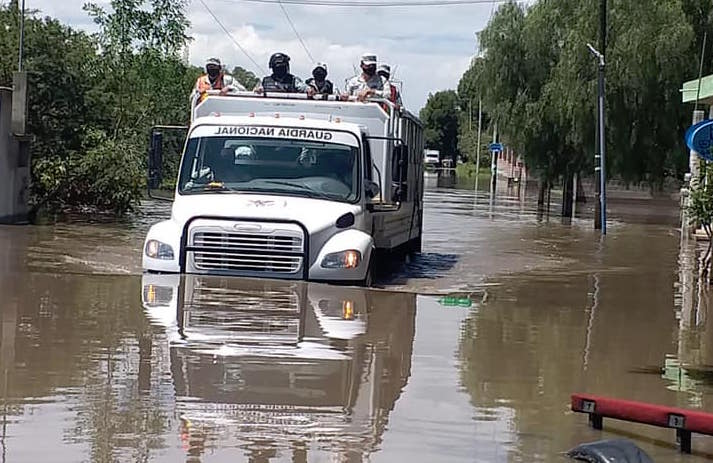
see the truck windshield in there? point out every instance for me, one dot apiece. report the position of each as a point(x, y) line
point(273, 166)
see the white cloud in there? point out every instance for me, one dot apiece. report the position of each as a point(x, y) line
point(429, 47)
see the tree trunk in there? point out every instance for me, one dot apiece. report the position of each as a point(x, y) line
point(568, 195)
point(541, 196)
point(581, 196)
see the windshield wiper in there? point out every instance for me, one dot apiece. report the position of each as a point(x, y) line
point(301, 186)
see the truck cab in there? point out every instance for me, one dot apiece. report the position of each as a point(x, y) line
point(431, 158)
point(287, 187)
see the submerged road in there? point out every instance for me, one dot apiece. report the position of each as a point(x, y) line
point(100, 363)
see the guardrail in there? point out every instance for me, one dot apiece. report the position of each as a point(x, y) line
point(393, 109)
point(684, 421)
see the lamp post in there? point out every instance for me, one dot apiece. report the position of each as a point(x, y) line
point(602, 139)
point(21, 45)
point(477, 146)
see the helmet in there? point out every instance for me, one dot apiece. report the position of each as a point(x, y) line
point(384, 69)
point(320, 65)
point(279, 58)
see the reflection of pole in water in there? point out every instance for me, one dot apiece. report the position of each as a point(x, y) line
point(492, 198)
point(590, 323)
point(7, 359)
point(687, 270)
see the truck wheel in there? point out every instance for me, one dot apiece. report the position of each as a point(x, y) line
point(368, 278)
point(415, 246)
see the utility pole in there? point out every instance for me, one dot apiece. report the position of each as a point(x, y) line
point(21, 45)
point(477, 146)
point(494, 160)
point(597, 142)
point(602, 140)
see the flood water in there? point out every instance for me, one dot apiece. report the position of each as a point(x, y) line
point(100, 363)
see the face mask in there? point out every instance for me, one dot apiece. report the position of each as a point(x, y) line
point(319, 75)
point(369, 70)
point(280, 70)
point(213, 72)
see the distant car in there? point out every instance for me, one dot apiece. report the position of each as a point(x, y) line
point(431, 157)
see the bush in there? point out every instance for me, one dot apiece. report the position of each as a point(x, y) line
point(106, 175)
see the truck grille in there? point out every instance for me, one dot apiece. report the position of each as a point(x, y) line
point(267, 248)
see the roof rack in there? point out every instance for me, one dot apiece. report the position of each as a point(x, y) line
point(392, 110)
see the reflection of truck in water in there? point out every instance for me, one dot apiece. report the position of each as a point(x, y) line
point(291, 188)
point(284, 367)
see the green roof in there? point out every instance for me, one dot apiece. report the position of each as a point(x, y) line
point(690, 90)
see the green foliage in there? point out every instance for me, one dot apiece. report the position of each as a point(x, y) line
point(539, 82)
point(440, 119)
point(107, 175)
point(469, 95)
point(468, 170)
point(245, 77)
point(93, 99)
point(700, 204)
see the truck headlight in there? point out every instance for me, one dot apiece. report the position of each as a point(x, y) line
point(158, 250)
point(343, 259)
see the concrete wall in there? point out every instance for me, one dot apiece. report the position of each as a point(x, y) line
point(14, 156)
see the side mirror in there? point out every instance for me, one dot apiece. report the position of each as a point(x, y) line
point(155, 174)
point(371, 189)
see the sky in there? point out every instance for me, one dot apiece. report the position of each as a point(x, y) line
point(428, 48)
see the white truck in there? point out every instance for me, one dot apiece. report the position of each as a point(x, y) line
point(431, 157)
point(282, 186)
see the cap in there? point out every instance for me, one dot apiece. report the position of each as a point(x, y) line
point(213, 61)
point(368, 58)
point(320, 65)
point(383, 67)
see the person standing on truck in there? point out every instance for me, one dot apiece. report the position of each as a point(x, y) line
point(215, 78)
point(384, 70)
point(281, 81)
point(368, 83)
point(319, 81)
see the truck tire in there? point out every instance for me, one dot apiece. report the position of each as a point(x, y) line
point(415, 245)
point(368, 278)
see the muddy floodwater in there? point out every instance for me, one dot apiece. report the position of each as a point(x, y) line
point(466, 353)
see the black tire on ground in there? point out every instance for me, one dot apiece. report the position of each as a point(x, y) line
point(415, 245)
point(368, 279)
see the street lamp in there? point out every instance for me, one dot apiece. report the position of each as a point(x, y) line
point(602, 139)
point(21, 44)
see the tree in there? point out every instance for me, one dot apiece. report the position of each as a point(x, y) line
point(440, 119)
point(470, 93)
point(245, 77)
point(539, 83)
point(92, 99)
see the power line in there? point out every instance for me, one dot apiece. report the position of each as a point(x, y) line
point(369, 3)
point(227, 32)
point(289, 20)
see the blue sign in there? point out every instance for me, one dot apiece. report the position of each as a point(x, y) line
point(699, 138)
point(496, 147)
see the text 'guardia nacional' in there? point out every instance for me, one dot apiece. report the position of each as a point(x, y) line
point(283, 132)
